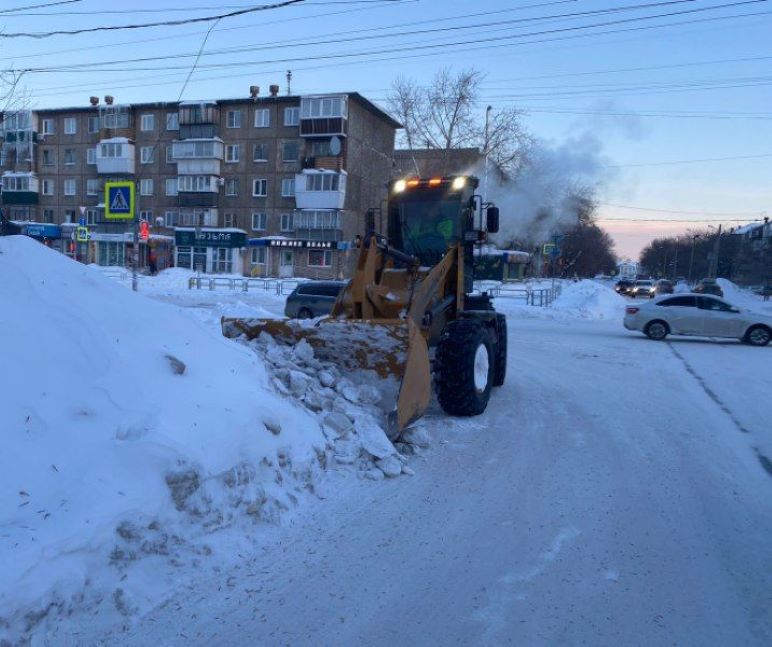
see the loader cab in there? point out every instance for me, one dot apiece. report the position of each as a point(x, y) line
point(426, 216)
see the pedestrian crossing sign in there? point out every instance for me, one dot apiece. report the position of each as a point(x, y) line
point(119, 200)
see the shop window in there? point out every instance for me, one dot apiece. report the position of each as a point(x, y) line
point(319, 258)
point(258, 255)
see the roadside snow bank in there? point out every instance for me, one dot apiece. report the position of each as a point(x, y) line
point(744, 298)
point(131, 430)
point(586, 299)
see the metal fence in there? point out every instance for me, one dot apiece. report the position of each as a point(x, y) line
point(279, 286)
point(532, 295)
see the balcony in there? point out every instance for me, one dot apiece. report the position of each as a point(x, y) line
point(197, 199)
point(315, 189)
point(198, 119)
point(198, 156)
point(318, 225)
point(115, 156)
point(115, 122)
point(325, 163)
point(323, 116)
point(20, 188)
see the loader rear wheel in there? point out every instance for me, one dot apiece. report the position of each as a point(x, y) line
point(500, 367)
point(464, 365)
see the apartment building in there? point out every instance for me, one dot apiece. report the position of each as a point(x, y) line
point(264, 185)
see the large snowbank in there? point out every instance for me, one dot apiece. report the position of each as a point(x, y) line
point(129, 428)
point(586, 299)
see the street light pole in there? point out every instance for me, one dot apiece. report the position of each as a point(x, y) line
point(691, 260)
point(486, 149)
point(713, 272)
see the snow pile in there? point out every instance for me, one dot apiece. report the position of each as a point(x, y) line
point(744, 298)
point(589, 300)
point(131, 430)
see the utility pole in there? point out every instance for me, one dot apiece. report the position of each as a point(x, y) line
point(691, 259)
point(486, 149)
point(135, 255)
point(713, 271)
point(675, 263)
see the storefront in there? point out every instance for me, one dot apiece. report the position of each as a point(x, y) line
point(277, 256)
point(213, 251)
point(48, 234)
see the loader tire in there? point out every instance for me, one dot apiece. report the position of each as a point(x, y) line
point(500, 366)
point(464, 364)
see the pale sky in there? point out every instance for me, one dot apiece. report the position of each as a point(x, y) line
point(658, 93)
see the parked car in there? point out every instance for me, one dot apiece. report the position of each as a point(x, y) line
point(698, 314)
point(709, 286)
point(623, 286)
point(312, 299)
point(663, 286)
point(643, 288)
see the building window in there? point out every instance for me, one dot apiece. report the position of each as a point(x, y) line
point(48, 187)
point(147, 123)
point(171, 186)
point(147, 216)
point(285, 222)
point(70, 126)
point(315, 107)
point(171, 218)
point(232, 186)
point(322, 182)
point(262, 118)
point(230, 220)
point(170, 155)
point(319, 258)
point(93, 125)
point(321, 148)
point(91, 216)
point(92, 187)
point(290, 151)
point(172, 121)
point(260, 153)
point(47, 127)
point(288, 187)
point(291, 116)
point(91, 156)
point(49, 157)
point(147, 154)
point(232, 153)
point(69, 156)
point(146, 186)
point(258, 255)
point(260, 188)
point(259, 221)
point(69, 187)
point(233, 119)
point(48, 215)
point(112, 150)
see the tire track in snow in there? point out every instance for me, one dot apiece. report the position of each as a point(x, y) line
point(766, 463)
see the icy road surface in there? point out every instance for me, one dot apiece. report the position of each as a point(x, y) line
point(614, 493)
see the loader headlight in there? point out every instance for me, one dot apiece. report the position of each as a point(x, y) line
point(400, 186)
point(459, 183)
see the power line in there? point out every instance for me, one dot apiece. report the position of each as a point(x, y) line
point(670, 115)
point(38, 6)
point(674, 220)
point(403, 48)
point(337, 41)
point(164, 23)
point(681, 211)
point(694, 161)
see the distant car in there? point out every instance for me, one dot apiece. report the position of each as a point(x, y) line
point(700, 315)
point(312, 299)
point(663, 286)
point(624, 286)
point(709, 286)
point(643, 288)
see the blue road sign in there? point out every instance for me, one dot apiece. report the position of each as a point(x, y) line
point(119, 200)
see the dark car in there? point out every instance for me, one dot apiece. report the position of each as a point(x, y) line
point(312, 299)
point(709, 286)
point(624, 286)
point(663, 286)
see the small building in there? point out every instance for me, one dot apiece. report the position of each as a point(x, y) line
point(628, 269)
point(493, 264)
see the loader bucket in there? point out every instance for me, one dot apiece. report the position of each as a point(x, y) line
point(387, 352)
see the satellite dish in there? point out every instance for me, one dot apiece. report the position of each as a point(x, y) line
point(335, 146)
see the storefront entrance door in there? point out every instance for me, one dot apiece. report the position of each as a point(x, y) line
point(286, 262)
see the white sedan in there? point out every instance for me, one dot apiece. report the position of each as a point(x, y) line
point(698, 314)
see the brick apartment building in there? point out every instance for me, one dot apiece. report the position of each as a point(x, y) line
point(265, 185)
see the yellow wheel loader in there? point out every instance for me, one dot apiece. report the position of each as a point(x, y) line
point(409, 312)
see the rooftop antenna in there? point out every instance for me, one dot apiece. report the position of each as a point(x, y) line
point(289, 81)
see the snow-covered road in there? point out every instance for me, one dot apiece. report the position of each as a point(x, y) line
point(611, 494)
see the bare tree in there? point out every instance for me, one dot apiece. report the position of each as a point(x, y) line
point(11, 95)
point(447, 115)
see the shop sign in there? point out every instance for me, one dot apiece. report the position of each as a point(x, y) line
point(212, 238)
point(293, 243)
point(44, 231)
